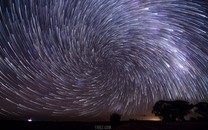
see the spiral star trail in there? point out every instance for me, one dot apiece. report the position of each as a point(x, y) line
point(76, 59)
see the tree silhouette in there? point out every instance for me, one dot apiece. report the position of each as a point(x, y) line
point(161, 109)
point(180, 109)
point(172, 110)
point(115, 118)
point(202, 109)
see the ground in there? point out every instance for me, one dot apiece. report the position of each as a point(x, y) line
point(124, 125)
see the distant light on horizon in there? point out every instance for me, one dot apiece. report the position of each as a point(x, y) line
point(29, 120)
point(151, 118)
point(154, 119)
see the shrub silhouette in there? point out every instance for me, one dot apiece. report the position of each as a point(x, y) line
point(115, 118)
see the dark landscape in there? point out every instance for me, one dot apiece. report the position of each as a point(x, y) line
point(123, 125)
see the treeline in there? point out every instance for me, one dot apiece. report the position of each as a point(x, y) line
point(180, 110)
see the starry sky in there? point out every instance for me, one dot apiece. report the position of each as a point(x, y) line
point(85, 59)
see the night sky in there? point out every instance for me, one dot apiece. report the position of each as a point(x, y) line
point(85, 59)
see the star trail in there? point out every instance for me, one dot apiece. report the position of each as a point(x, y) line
point(77, 59)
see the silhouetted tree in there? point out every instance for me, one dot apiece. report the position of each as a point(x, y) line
point(180, 109)
point(115, 118)
point(161, 109)
point(202, 109)
point(171, 110)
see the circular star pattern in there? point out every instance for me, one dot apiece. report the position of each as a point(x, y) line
point(88, 58)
